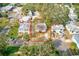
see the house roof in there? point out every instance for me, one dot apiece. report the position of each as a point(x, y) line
point(25, 18)
point(73, 28)
point(23, 27)
point(57, 27)
point(41, 27)
point(7, 8)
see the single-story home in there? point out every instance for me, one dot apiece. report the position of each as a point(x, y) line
point(72, 28)
point(24, 27)
point(58, 29)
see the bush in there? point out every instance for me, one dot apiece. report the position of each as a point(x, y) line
point(26, 36)
point(73, 45)
point(10, 50)
point(3, 43)
point(48, 22)
point(3, 4)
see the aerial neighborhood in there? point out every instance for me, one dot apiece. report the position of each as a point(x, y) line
point(32, 27)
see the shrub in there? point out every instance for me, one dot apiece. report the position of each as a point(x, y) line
point(10, 50)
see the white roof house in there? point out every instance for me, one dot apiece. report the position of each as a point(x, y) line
point(41, 27)
point(74, 31)
point(58, 29)
point(24, 27)
point(24, 24)
point(72, 28)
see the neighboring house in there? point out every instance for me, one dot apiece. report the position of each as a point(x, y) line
point(58, 29)
point(24, 27)
point(74, 31)
point(72, 28)
point(15, 13)
point(24, 24)
point(41, 27)
point(7, 8)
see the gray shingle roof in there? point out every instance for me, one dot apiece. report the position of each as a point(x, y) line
point(41, 27)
